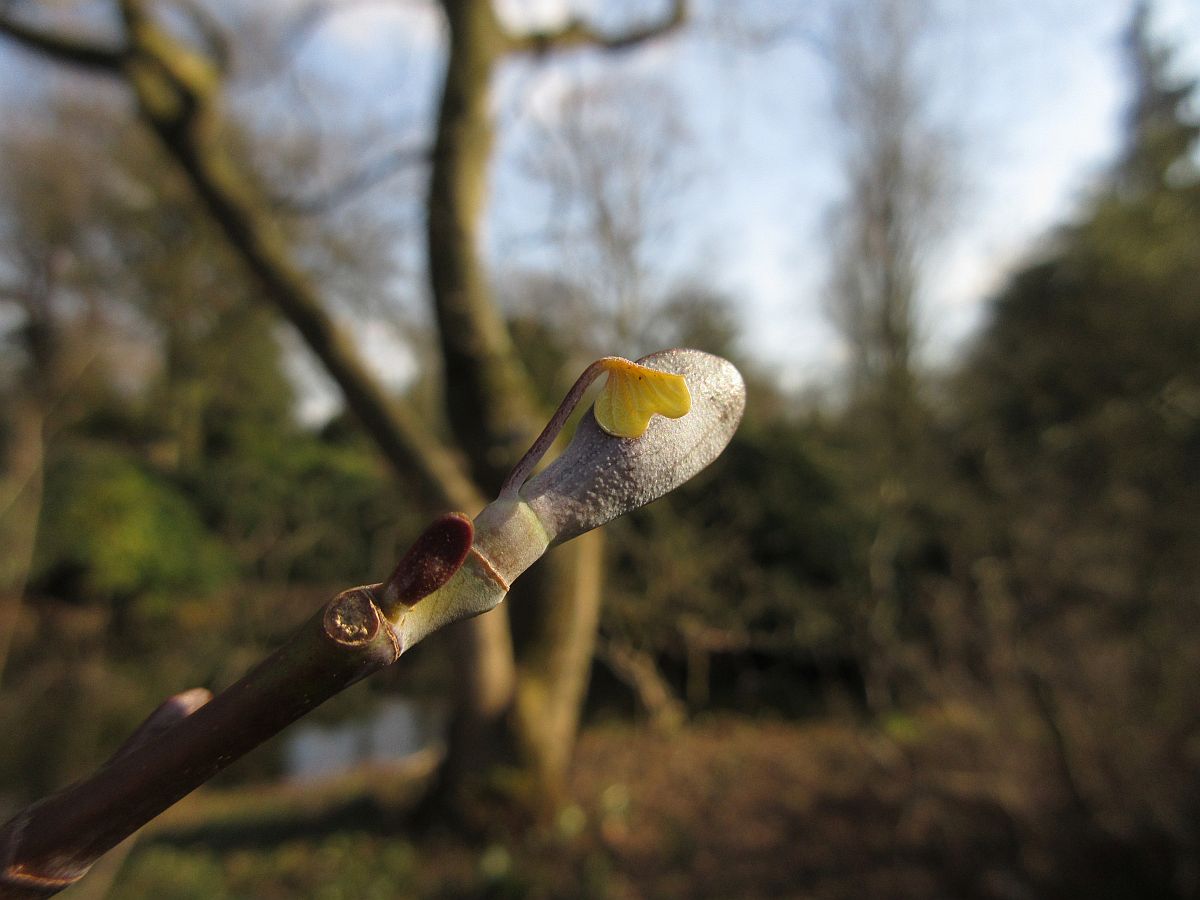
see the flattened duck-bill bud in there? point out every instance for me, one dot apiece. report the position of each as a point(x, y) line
point(599, 477)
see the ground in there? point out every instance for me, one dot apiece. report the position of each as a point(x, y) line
point(929, 806)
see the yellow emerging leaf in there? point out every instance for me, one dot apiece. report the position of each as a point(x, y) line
point(633, 393)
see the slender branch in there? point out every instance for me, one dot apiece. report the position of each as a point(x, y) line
point(354, 184)
point(578, 33)
point(1047, 708)
point(525, 466)
point(213, 37)
point(65, 49)
point(176, 99)
point(55, 842)
point(14, 292)
point(186, 741)
point(166, 715)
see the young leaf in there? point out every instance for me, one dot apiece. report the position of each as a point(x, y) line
point(634, 393)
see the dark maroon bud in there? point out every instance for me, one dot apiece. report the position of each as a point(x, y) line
point(437, 554)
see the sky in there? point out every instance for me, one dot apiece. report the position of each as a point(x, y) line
point(1031, 94)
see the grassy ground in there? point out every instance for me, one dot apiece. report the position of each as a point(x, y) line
point(728, 808)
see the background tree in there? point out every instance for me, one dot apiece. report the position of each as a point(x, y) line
point(1082, 409)
point(610, 160)
point(178, 86)
point(898, 173)
point(46, 357)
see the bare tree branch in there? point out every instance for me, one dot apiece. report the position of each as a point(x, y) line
point(176, 91)
point(14, 292)
point(578, 33)
point(74, 51)
point(216, 44)
point(354, 184)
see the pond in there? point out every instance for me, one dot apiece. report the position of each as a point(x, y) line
point(398, 727)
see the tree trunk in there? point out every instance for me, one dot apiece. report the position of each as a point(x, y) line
point(491, 409)
point(176, 94)
point(555, 658)
point(490, 403)
point(488, 395)
point(20, 509)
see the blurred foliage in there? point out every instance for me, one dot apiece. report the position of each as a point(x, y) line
point(1080, 428)
point(180, 496)
point(112, 531)
point(762, 542)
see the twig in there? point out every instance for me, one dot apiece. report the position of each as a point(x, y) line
point(577, 33)
point(186, 741)
point(353, 185)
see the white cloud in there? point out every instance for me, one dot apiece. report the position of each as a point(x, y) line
point(385, 27)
